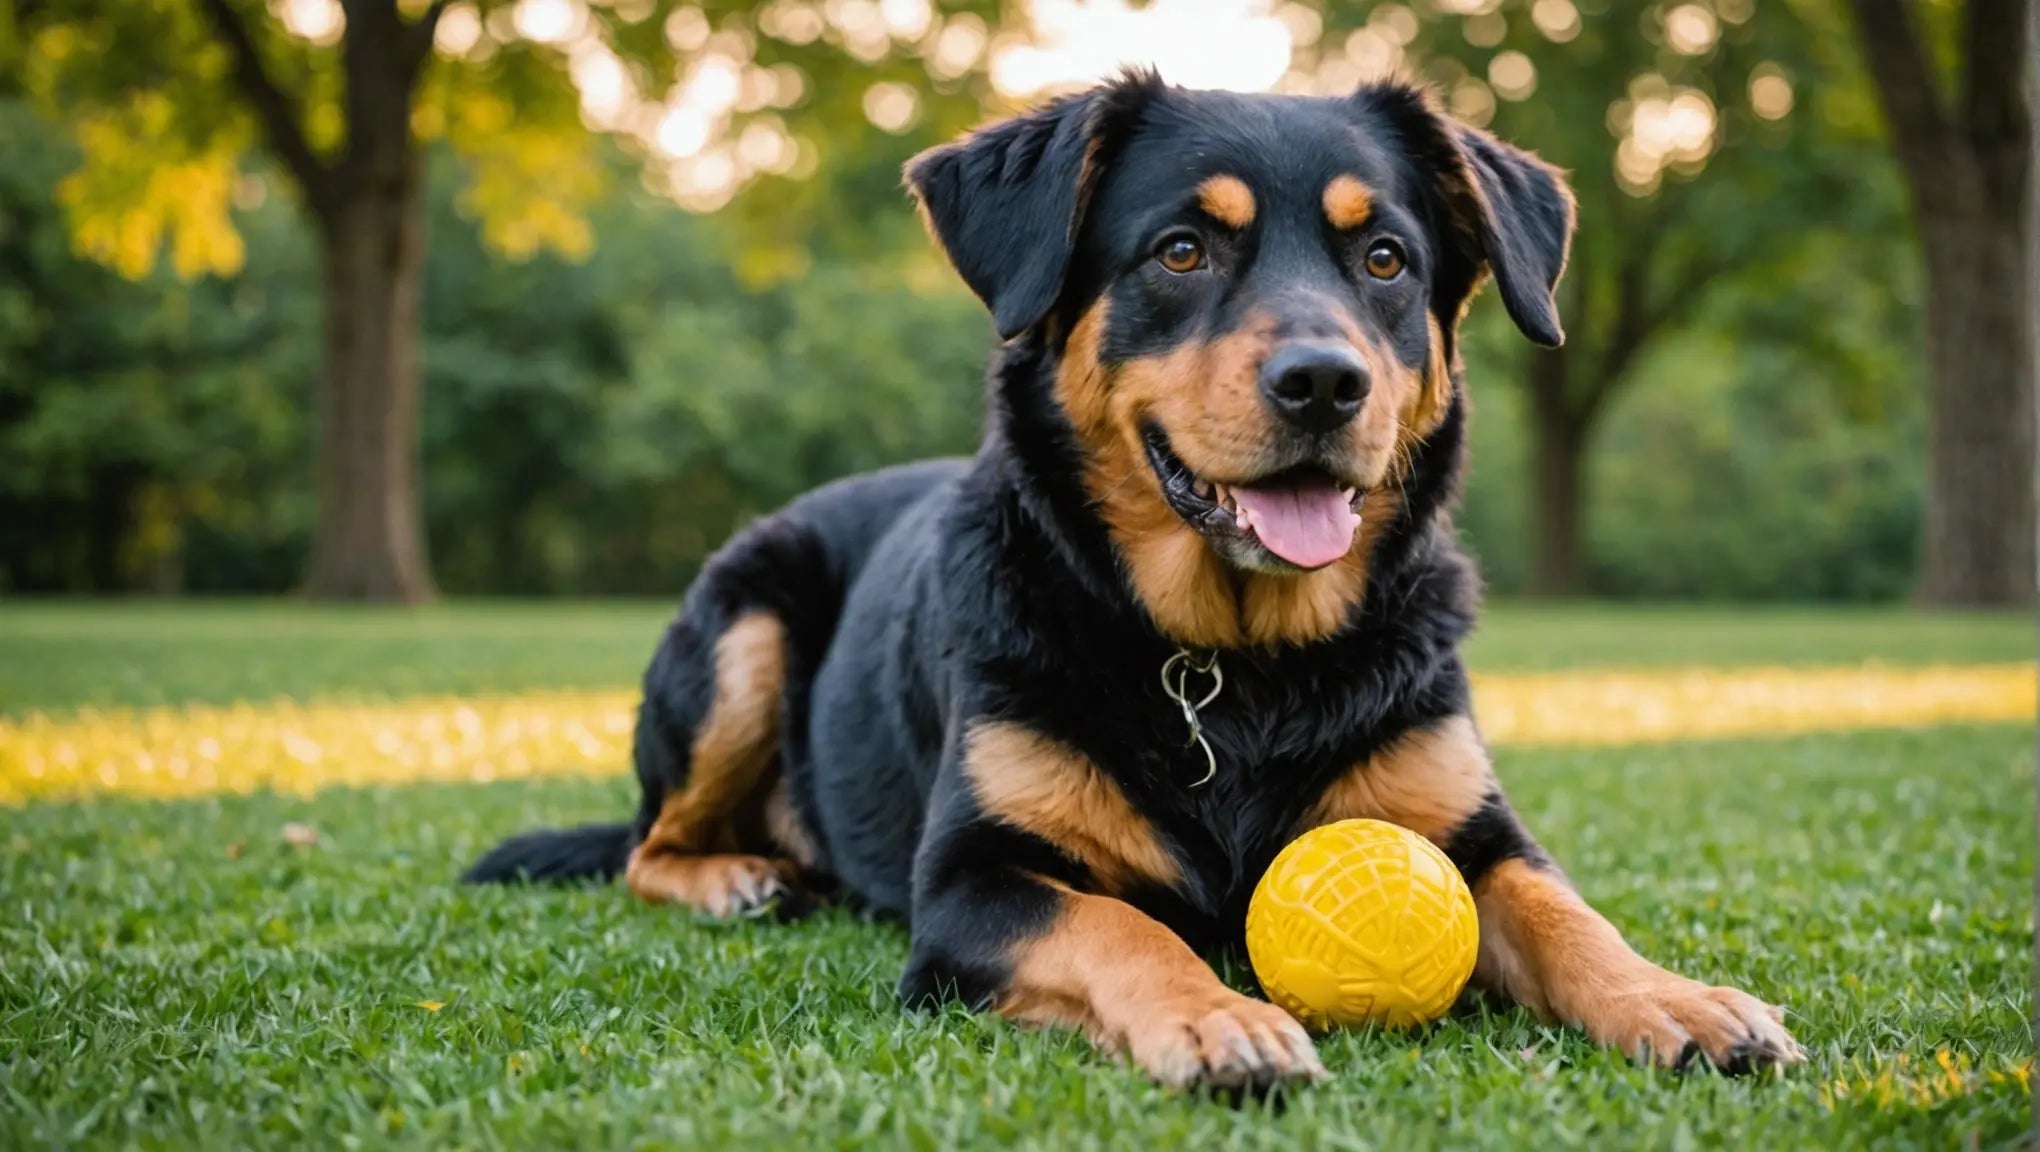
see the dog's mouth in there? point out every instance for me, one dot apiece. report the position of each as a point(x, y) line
point(1302, 517)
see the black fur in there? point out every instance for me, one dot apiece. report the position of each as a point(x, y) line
point(1496, 207)
point(922, 600)
point(1006, 202)
point(1488, 837)
point(589, 852)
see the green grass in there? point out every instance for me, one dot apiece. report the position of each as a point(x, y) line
point(176, 975)
point(58, 654)
point(1524, 637)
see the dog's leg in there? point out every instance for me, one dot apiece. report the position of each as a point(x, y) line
point(1540, 943)
point(1544, 947)
point(1009, 915)
point(698, 849)
point(1040, 953)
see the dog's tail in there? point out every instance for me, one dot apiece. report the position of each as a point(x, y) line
point(554, 856)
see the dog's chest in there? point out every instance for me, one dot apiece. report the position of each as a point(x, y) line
point(1229, 783)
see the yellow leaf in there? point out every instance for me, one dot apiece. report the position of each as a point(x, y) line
point(432, 1005)
point(143, 183)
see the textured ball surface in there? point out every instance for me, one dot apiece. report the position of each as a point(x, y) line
point(1362, 922)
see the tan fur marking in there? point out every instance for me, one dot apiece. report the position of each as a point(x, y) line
point(736, 745)
point(1183, 584)
point(1541, 945)
point(1429, 781)
point(1434, 394)
point(1207, 399)
point(783, 826)
point(1228, 200)
point(1348, 202)
point(719, 884)
point(1042, 787)
point(1136, 989)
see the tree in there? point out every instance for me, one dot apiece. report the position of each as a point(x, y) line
point(345, 98)
point(1967, 159)
point(1699, 163)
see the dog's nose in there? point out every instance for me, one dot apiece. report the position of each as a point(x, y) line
point(1315, 387)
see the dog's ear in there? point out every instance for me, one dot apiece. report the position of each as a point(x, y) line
point(1525, 220)
point(1504, 208)
point(1006, 201)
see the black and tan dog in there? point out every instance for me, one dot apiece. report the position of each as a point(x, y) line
point(1227, 421)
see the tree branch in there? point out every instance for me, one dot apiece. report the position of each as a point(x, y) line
point(418, 38)
point(276, 110)
point(1640, 322)
point(1631, 326)
point(1911, 99)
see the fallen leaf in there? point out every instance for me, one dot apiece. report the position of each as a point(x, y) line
point(300, 835)
point(432, 1005)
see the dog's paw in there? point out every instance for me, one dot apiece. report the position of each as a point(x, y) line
point(1672, 1021)
point(721, 885)
point(1227, 1041)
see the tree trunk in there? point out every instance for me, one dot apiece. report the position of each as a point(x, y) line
point(1558, 450)
point(1977, 544)
point(2032, 325)
point(369, 542)
point(1968, 164)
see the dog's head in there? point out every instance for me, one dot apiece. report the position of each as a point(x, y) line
point(1251, 302)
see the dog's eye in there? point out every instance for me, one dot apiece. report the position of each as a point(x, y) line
point(1180, 254)
point(1385, 260)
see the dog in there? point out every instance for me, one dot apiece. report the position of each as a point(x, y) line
point(1058, 705)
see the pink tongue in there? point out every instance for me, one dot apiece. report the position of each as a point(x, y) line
point(1309, 525)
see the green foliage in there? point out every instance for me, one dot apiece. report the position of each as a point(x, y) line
point(1761, 452)
point(132, 413)
point(600, 426)
point(1741, 333)
point(1720, 150)
point(1766, 483)
point(595, 426)
point(604, 428)
point(168, 110)
point(1683, 183)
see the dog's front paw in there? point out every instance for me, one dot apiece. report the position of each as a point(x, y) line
point(1669, 1020)
point(1227, 1041)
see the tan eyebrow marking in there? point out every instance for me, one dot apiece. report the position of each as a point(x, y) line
point(1347, 202)
point(1228, 200)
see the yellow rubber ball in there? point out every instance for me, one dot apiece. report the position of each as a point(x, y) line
point(1362, 922)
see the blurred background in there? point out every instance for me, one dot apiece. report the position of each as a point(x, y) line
point(395, 299)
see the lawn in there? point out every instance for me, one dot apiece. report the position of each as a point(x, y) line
point(203, 973)
point(61, 654)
